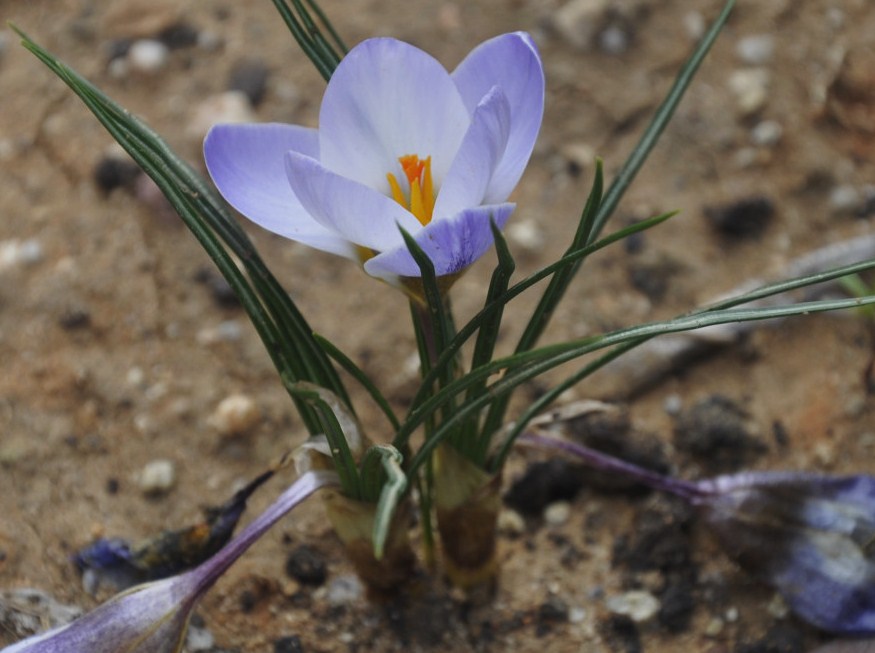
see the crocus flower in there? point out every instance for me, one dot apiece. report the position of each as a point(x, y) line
point(401, 144)
point(810, 536)
point(153, 618)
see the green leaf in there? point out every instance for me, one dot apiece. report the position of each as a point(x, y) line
point(383, 477)
point(525, 366)
point(517, 289)
point(309, 36)
point(281, 327)
point(339, 428)
point(359, 375)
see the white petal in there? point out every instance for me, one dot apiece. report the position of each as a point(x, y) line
point(388, 99)
point(481, 150)
point(361, 214)
point(511, 62)
point(247, 165)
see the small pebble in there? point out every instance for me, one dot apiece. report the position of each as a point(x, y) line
point(694, 25)
point(344, 590)
point(714, 627)
point(756, 50)
point(227, 107)
point(20, 253)
point(614, 40)
point(179, 35)
point(638, 605)
point(766, 133)
point(673, 405)
point(750, 88)
point(135, 377)
point(157, 477)
point(235, 415)
point(114, 172)
point(199, 639)
point(250, 78)
point(844, 199)
point(306, 565)
point(510, 522)
point(290, 644)
point(148, 56)
point(557, 513)
point(777, 607)
point(227, 331)
point(746, 217)
point(731, 615)
point(579, 21)
point(526, 234)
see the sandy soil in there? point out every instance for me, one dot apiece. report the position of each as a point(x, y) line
point(107, 336)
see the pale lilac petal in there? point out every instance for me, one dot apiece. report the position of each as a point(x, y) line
point(511, 62)
point(481, 150)
point(388, 99)
point(452, 244)
point(361, 214)
point(247, 165)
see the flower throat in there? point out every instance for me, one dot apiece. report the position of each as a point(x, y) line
point(418, 173)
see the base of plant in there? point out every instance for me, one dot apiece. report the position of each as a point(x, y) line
point(353, 521)
point(467, 502)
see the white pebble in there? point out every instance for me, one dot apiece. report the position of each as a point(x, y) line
point(227, 331)
point(157, 477)
point(714, 627)
point(235, 415)
point(673, 404)
point(18, 253)
point(526, 234)
point(148, 56)
point(344, 590)
point(844, 199)
point(511, 522)
point(751, 89)
point(135, 376)
point(638, 605)
point(756, 50)
point(578, 21)
point(227, 107)
point(766, 133)
point(557, 513)
point(694, 24)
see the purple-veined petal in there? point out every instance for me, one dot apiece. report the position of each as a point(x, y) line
point(452, 243)
point(512, 62)
point(360, 214)
point(482, 148)
point(152, 618)
point(387, 99)
point(247, 165)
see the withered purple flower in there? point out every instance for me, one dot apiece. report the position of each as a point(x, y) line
point(810, 536)
point(153, 618)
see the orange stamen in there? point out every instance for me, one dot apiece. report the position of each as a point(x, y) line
point(418, 173)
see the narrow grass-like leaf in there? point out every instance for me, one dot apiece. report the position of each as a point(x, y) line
point(517, 289)
point(338, 42)
point(286, 335)
point(473, 446)
point(359, 375)
point(383, 481)
point(658, 123)
point(325, 62)
point(344, 462)
point(528, 365)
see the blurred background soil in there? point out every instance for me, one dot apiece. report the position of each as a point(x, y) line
point(119, 342)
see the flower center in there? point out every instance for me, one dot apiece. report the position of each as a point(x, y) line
point(418, 173)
